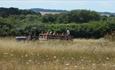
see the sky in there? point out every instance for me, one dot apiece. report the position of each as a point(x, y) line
point(97, 5)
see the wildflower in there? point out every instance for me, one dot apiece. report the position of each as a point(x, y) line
point(75, 66)
point(66, 68)
point(67, 64)
point(32, 53)
point(26, 55)
point(11, 51)
point(38, 63)
point(113, 65)
point(107, 58)
point(93, 64)
point(89, 61)
point(27, 62)
point(104, 64)
point(72, 58)
point(82, 59)
point(44, 62)
point(83, 68)
point(54, 57)
point(5, 53)
point(30, 60)
point(47, 56)
point(22, 56)
point(11, 54)
point(38, 54)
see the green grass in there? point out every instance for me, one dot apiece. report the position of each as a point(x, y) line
point(79, 54)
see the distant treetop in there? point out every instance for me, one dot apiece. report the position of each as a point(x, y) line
point(4, 12)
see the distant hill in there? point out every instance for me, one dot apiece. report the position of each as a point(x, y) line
point(107, 14)
point(54, 11)
point(47, 11)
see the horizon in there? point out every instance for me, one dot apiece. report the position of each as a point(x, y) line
point(99, 6)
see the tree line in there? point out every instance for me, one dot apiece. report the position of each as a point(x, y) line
point(81, 23)
point(5, 12)
point(74, 16)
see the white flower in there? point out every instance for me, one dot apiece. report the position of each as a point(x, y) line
point(66, 68)
point(107, 58)
point(83, 68)
point(26, 55)
point(75, 66)
point(44, 62)
point(113, 65)
point(93, 64)
point(104, 64)
point(30, 60)
point(22, 56)
point(82, 59)
point(55, 57)
point(67, 64)
point(38, 63)
point(38, 54)
point(11, 54)
point(5, 53)
point(27, 62)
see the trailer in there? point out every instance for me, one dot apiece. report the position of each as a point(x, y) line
point(47, 36)
point(55, 36)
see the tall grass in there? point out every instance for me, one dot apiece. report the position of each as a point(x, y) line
point(110, 36)
point(79, 54)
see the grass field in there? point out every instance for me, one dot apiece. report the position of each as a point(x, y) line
point(79, 54)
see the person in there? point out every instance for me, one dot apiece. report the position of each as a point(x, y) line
point(30, 36)
point(68, 32)
point(50, 33)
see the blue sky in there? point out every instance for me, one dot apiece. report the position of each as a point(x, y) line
point(97, 5)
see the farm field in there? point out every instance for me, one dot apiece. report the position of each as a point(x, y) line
point(79, 54)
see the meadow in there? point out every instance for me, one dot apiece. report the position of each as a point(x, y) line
point(79, 54)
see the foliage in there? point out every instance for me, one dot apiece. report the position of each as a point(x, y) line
point(76, 16)
point(5, 12)
point(81, 23)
